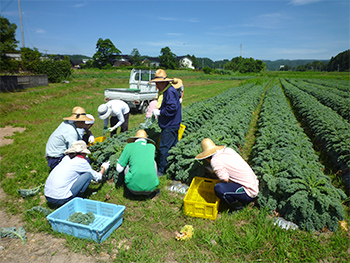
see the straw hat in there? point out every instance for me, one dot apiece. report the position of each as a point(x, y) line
point(208, 148)
point(104, 111)
point(140, 134)
point(78, 147)
point(78, 114)
point(161, 76)
point(90, 117)
point(177, 83)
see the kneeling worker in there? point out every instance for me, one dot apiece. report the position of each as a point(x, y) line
point(137, 161)
point(72, 175)
point(238, 182)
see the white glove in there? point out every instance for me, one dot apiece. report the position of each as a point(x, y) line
point(111, 129)
point(91, 139)
point(180, 100)
point(156, 112)
point(106, 165)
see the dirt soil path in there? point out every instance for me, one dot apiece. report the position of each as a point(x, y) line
point(40, 247)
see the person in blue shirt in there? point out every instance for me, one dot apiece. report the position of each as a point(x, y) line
point(169, 116)
point(65, 134)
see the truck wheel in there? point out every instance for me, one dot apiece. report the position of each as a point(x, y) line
point(144, 107)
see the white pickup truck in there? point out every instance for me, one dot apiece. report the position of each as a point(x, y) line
point(140, 92)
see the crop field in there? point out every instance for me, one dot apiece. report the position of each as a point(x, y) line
point(293, 129)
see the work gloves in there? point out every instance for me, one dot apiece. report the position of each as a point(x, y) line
point(106, 165)
point(91, 139)
point(111, 129)
point(156, 113)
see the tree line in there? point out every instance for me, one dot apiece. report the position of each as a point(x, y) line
point(58, 67)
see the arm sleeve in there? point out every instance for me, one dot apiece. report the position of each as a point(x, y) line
point(105, 122)
point(170, 99)
point(219, 169)
point(120, 117)
point(119, 168)
point(84, 166)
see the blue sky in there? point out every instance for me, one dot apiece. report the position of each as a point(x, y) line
point(267, 30)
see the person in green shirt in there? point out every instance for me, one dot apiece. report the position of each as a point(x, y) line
point(139, 166)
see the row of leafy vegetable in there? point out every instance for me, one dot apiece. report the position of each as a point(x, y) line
point(227, 121)
point(290, 176)
point(330, 130)
point(328, 97)
point(288, 169)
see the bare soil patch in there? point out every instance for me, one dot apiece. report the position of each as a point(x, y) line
point(39, 248)
point(8, 131)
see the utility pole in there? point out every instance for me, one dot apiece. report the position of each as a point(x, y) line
point(20, 17)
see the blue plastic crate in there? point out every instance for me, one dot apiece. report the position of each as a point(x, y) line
point(108, 217)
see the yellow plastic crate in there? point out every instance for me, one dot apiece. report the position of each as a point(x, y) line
point(200, 200)
point(99, 139)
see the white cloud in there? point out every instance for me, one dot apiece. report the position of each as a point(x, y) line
point(303, 2)
point(40, 31)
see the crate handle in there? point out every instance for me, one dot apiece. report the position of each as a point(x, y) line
point(100, 236)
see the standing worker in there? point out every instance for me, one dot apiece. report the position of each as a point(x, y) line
point(65, 134)
point(140, 169)
point(72, 176)
point(118, 110)
point(169, 116)
point(178, 85)
point(238, 183)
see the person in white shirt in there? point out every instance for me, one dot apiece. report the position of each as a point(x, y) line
point(72, 175)
point(118, 110)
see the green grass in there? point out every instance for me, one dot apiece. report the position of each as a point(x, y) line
point(147, 233)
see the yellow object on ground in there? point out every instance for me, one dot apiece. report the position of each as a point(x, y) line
point(185, 233)
point(344, 225)
point(98, 139)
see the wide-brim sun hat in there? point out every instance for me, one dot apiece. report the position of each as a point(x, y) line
point(140, 134)
point(78, 114)
point(104, 111)
point(78, 147)
point(92, 119)
point(208, 149)
point(176, 83)
point(161, 76)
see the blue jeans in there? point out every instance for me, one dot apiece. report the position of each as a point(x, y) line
point(79, 186)
point(168, 138)
point(231, 193)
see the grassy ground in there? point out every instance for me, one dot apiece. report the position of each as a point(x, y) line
point(147, 233)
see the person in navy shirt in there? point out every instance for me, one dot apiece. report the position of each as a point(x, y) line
point(169, 116)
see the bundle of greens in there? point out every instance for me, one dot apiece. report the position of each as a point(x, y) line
point(82, 218)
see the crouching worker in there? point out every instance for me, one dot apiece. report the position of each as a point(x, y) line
point(72, 175)
point(238, 183)
point(139, 166)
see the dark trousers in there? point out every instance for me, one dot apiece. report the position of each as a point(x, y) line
point(168, 138)
point(231, 193)
point(125, 125)
point(52, 162)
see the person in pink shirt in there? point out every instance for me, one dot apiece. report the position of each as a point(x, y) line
point(151, 106)
point(238, 182)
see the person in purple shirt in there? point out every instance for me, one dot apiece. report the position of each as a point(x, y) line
point(169, 117)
